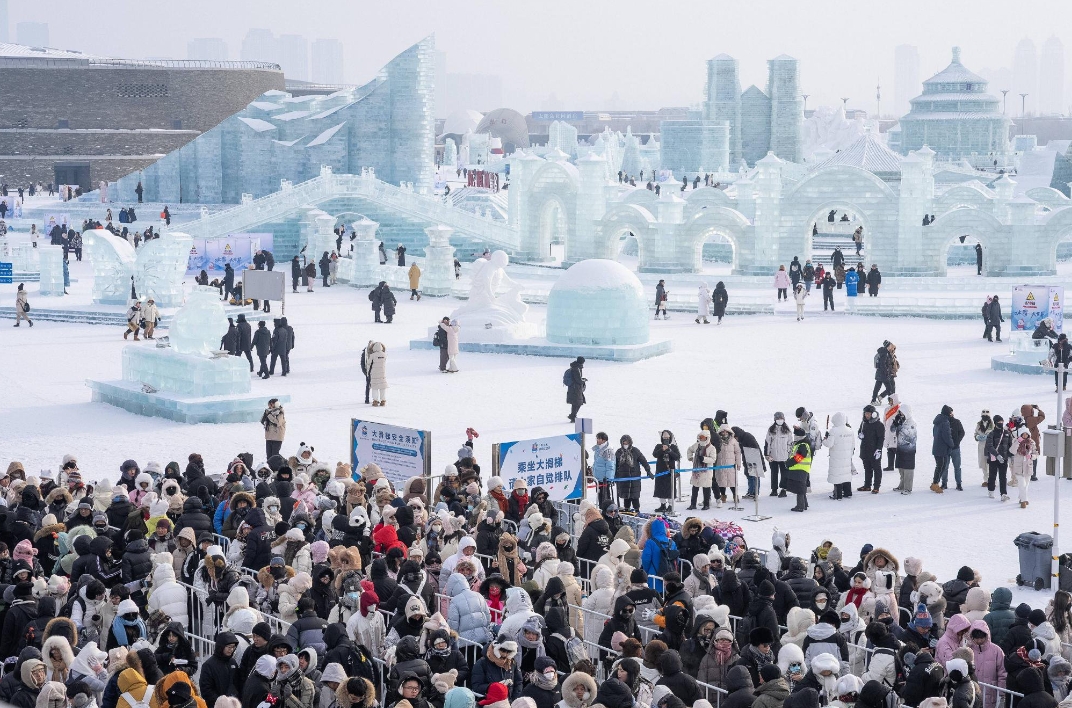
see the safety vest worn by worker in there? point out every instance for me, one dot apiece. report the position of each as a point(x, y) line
point(801, 457)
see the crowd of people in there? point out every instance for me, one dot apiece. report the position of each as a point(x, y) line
point(299, 584)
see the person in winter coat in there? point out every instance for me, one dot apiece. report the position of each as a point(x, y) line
point(667, 456)
point(992, 317)
point(1000, 617)
point(956, 629)
point(800, 294)
point(498, 665)
point(740, 686)
point(872, 435)
point(622, 620)
point(468, 614)
point(729, 460)
point(782, 283)
point(904, 433)
point(1025, 668)
point(797, 624)
point(777, 447)
point(942, 447)
point(824, 637)
point(719, 298)
point(1020, 466)
point(703, 303)
point(628, 463)
point(703, 455)
point(680, 683)
point(841, 443)
point(989, 662)
point(718, 662)
point(997, 450)
point(167, 595)
point(659, 554)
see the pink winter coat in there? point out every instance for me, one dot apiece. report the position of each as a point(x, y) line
point(989, 664)
point(951, 640)
point(781, 279)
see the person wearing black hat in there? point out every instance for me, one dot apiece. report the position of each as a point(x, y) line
point(128, 473)
point(772, 689)
point(180, 695)
point(955, 591)
point(760, 626)
point(575, 385)
point(680, 683)
point(645, 599)
point(872, 435)
point(876, 695)
point(824, 637)
point(259, 638)
point(798, 472)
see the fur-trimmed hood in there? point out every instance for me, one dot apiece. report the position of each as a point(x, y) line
point(62, 627)
point(59, 493)
point(64, 647)
point(578, 678)
point(264, 576)
point(47, 530)
point(891, 560)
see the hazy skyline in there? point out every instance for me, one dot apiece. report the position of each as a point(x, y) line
point(649, 55)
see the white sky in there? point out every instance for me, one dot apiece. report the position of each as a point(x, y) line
point(651, 53)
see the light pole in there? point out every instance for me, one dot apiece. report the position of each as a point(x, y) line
point(1061, 432)
point(805, 97)
point(1023, 104)
point(1003, 94)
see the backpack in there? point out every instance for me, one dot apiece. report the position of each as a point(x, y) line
point(667, 558)
point(144, 702)
point(438, 339)
point(575, 650)
point(359, 664)
point(745, 625)
point(567, 377)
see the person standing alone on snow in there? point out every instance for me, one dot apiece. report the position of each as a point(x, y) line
point(275, 427)
point(720, 298)
point(872, 434)
point(660, 300)
point(575, 384)
point(781, 283)
point(941, 448)
point(886, 366)
point(799, 294)
point(628, 461)
point(22, 306)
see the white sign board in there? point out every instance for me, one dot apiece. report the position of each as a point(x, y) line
point(400, 452)
point(554, 463)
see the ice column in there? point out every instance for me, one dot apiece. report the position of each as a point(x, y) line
point(768, 215)
point(438, 276)
point(670, 213)
point(51, 270)
point(591, 205)
point(24, 258)
point(366, 257)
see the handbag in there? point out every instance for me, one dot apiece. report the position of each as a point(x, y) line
point(26, 307)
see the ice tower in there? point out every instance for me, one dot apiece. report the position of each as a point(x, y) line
point(723, 99)
point(787, 107)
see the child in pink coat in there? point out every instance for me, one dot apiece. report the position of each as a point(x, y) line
point(989, 661)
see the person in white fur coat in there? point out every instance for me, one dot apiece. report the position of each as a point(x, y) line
point(840, 440)
point(852, 628)
point(825, 668)
point(167, 595)
point(797, 623)
point(598, 604)
point(884, 589)
point(547, 558)
point(791, 662)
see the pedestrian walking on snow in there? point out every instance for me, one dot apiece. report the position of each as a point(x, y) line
point(660, 300)
point(262, 341)
point(781, 283)
point(575, 384)
point(828, 291)
point(904, 431)
point(703, 303)
point(414, 282)
point(22, 306)
point(720, 298)
point(998, 444)
point(377, 372)
point(274, 421)
point(995, 319)
point(874, 279)
point(941, 448)
point(1021, 465)
point(800, 294)
point(886, 367)
point(133, 320)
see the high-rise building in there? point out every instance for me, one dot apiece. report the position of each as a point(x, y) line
point(1025, 78)
point(207, 49)
point(787, 107)
point(4, 35)
point(294, 56)
point(260, 45)
point(327, 62)
point(32, 34)
point(905, 77)
point(723, 99)
point(1051, 84)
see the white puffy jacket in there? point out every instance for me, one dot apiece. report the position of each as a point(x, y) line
point(168, 596)
point(841, 442)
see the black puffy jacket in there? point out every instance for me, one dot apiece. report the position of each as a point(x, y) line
point(137, 561)
point(409, 661)
point(803, 586)
point(194, 516)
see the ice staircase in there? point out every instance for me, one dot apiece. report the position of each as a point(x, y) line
point(117, 318)
point(400, 201)
point(823, 245)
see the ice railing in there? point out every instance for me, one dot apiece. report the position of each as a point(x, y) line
point(328, 186)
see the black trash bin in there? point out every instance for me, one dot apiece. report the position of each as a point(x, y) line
point(1035, 559)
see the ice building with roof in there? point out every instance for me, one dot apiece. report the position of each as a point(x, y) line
point(955, 117)
point(387, 125)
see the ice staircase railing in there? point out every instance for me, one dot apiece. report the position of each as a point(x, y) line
point(329, 186)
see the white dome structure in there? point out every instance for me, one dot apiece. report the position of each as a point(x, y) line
point(461, 121)
point(597, 302)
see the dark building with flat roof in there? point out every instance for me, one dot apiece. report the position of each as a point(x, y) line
point(73, 118)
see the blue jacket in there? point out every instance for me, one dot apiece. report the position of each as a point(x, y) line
point(654, 549)
point(223, 510)
point(602, 462)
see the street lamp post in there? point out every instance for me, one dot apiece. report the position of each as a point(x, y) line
point(805, 97)
point(1061, 432)
point(1003, 94)
point(1023, 104)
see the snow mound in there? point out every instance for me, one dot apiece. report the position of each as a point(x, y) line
point(597, 302)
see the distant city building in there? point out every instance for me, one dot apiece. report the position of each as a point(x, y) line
point(327, 62)
point(207, 49)
point(1025, 77)
point(294, 56)
point(5, 36)
point(905, 77)
point(32, 34)
point(955, 117)
point(261, 45)
point(1052, 78)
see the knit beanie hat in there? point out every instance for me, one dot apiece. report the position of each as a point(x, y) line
point(922, 619)
point(966, 574)
point(770, 672)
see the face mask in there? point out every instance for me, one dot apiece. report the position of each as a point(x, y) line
point(821, 604)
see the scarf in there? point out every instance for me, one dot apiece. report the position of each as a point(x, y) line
point(542, 681)
point(761, 658)
point(1022, 653)
point(496, 607)
point(626, 458)
point(119, 629)
point(723, 655)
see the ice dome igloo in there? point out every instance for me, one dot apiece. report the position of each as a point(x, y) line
point(597, 302)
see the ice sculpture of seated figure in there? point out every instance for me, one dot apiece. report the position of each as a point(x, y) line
point(485, 304)
point(200, 324)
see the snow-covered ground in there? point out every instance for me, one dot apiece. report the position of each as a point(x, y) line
point(750, 366)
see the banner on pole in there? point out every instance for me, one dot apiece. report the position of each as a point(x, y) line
point(400, 452)
point(554, 463)
point(1033, 303)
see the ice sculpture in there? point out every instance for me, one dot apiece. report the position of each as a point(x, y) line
point(366, 253)
point(200, 324)
point(51, 270)
point(485, 304)
point(597, 302)
point(828, 129)
point(438, 277)
point(158, 267)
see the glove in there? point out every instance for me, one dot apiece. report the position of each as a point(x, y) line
point(878, 455)
point(860, 435)
point(1000, 458)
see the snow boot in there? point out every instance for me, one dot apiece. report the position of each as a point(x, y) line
point(875, 490)
point(1004, 497)
point(865, 488)
point(936, 488)
point(990, 494)
point(1023, 505)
